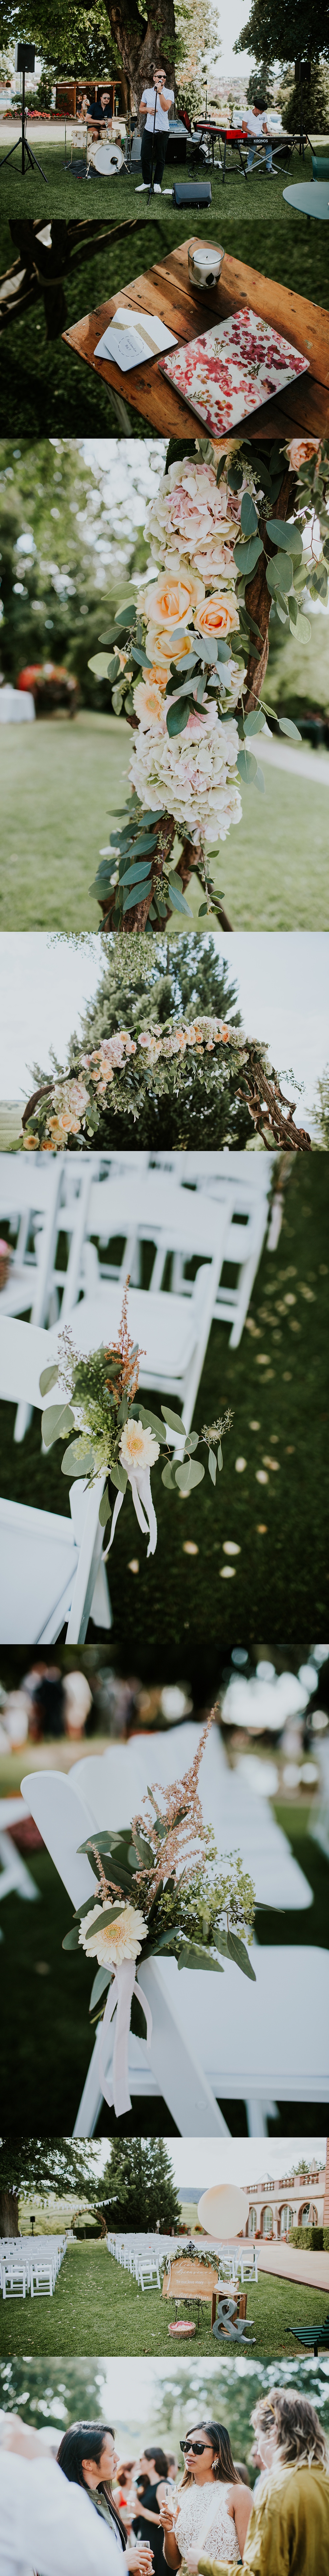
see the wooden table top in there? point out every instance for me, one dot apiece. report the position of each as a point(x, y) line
point(165, 290)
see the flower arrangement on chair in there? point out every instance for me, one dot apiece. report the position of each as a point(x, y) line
point(159, 1891)
point(117, 1438)
point(188, 666)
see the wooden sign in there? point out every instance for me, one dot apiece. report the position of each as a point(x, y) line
point(190, 2280)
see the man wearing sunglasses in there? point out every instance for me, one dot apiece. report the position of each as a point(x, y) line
point(212, 2500)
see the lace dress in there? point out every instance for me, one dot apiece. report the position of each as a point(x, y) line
point(221, 2538)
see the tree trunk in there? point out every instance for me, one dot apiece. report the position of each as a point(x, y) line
point(141, 42)
point(9, 2219)
point(258, 599)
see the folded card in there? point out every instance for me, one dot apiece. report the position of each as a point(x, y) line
point(233, 369)
point(130, 337)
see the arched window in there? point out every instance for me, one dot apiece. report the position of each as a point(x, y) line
point(308, 2215)
point(267, 2221)
point(252, 2222)
point(286, 2219)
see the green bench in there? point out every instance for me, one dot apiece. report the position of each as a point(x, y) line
point(318, 2336)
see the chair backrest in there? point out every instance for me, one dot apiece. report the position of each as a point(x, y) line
point(24, 1352)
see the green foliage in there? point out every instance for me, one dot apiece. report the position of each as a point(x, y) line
point(179, 980)
point(70, 39)
point(39, 2164)
point(315, 102)
point(54, 613)
point(309, 2237)
point(138, 2186)
point(322, 1110)
point(280, 30)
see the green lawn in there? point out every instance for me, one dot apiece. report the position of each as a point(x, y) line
point(62, 784)
point(47, 388)
point(94, 2309)
point(117, 197)
point(280, 1578)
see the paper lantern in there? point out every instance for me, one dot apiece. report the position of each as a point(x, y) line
point(224, 2210)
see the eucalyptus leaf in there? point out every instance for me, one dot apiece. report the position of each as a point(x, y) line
point(192, 1957)
point(103, 1979)
point(177, 715)
point(109, 1914)
point(105, 1512)
point(237, 1951)
point(71, 1939)
point(178, 900)
point(79, 1459)
point(286, 726)
point(219, 1458)
point(254, 723)
point(247, 556)
point(119, 1478)
point(220, 1940)
point(168, 1476)
point(247, 766)
point(212, 1464)
point(48, 1378)
point(100, 665)
point(188, 1476)
point(280, 574)
point(248, 516)
point(149, 1420)
point(173, 1420)
point(56, 1422)
point(287, 535)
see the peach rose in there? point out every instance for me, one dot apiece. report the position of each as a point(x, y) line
point(299, 450)
point(218, 616)
point(172, 601)
point(159, 674)
point(159, 642)
point(31, 1144)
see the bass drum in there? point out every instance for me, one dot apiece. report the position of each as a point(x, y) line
point(107, 158)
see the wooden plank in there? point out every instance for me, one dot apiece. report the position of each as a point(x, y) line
point(165, 289)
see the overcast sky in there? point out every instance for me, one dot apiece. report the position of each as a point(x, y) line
point(282, 981)
point(203, 2161)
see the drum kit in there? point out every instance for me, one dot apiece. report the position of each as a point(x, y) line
point(105, 155)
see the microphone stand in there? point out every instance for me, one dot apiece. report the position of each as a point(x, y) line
point(153, 142)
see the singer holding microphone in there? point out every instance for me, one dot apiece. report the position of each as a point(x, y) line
point(154, 106)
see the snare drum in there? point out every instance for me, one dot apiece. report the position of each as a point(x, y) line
point(106, 158)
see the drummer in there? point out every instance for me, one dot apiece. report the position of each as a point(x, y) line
point(97, 118)
point(154, 106)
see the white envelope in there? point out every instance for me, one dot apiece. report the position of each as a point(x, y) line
point(130, 340)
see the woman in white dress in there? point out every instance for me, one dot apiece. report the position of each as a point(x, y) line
point(213, 2510)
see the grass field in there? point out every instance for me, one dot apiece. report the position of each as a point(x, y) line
point(94, 2309)
point(118, 198)
point(63, 784)
point(47, 388)
point(281, 1583)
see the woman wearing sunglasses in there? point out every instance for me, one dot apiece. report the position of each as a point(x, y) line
point(214, 2506)
point(88, 2458)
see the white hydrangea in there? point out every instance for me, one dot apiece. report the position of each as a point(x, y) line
point(193, 773)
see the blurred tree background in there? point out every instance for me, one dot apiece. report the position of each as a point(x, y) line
point(72, 528)
point(59, 2391)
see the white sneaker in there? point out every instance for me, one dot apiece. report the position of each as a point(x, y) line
point(142, 184)
point(157, 188)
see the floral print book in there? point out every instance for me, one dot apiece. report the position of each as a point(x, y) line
point(232, 370)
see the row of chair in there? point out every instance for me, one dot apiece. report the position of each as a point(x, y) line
point(34, 2269)
point(189, 1231)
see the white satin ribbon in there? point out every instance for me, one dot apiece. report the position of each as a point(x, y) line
point(140, 1482)
point(115, 2084)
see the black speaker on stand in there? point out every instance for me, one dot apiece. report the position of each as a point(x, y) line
point(24, 62)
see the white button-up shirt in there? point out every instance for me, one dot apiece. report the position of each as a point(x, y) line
point(47, 2523)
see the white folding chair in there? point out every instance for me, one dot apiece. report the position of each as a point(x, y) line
point(148, 2273)
point(51, 1568)
point(46, 1204)
point(172, 1330)
point(248, 2264)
